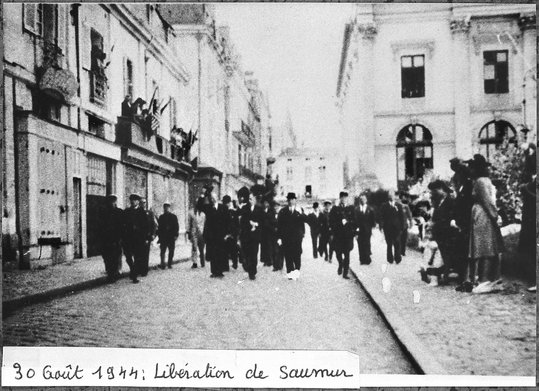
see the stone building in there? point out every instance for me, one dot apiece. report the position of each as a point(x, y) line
point(422, 83)
point(230, 115)
point(66, 142)
point(313, 174)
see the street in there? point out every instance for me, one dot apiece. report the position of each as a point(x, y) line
point(183, 308)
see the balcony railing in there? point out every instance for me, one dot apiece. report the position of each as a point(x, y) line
point(250, 174)
point(130, 133)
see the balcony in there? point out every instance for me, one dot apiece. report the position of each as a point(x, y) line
point(52, 55)
point(251, 175)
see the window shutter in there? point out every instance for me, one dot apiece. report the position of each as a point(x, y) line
point(126, 88)
point(86, 46)
point(62, 31)
point(30, 16)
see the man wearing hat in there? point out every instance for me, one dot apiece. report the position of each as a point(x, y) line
point(324, 232)
point(231, 242)
point(111, 238)
point(444, 212)
point(342, 228)
point(313, 219)
point(291, 230)
point(136, 237)
point(393, 223)
point(251, 220)
point(216, 230)
point(167, 231)
point(365, 222)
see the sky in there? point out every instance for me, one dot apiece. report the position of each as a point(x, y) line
point(294, 50)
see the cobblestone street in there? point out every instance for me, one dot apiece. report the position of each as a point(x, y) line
point(184, 308)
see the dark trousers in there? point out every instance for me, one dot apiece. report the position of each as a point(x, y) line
point(215, 254)
point(267, 249)
point(404, 241)
point(393, 242)
point(112, 256)
point(250, 252)
point(278, 257)
point(232, 253)
point(135, 257)
point(144, 266)
point(343, 257)
point(323, 245)
point(201, 254)
point(292, 255)
point(364, 248)
point(314, 238)
point(169, 245)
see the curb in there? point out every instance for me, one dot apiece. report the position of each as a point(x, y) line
point(422, 359)
point(9, 306)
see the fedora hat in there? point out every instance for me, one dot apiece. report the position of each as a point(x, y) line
point(343, 193)
point(291, 196)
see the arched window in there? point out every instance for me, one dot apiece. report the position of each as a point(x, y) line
point(492, 135)
point(414, 153)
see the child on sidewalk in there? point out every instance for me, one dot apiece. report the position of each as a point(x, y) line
point(431, 269)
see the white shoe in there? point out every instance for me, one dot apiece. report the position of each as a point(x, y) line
point(532, 289)
point(433, 281)
point(484, 287)
point(290, 275)
point(297, 274)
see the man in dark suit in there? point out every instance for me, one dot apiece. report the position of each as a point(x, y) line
point(216, 230)
point(167, 231)
point(231, 243)
point(392, 223)
point(251, 220)
point(324, 231)
point(152, 231)
point(278, 256)
point(443, 214)
point(314, 224)
point(342, 226)
point(269, 234)
point(365, 222)
point(291, 230)
point(111, 234)
point(136, 235)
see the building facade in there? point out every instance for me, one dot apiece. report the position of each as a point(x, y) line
point(230, 115)
point(420, 84)
point(313, 174)
point(67, 143)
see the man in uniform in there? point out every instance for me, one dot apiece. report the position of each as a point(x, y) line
point(342, 225)
point(324, 231)
point(111, 234)
point(291, 230)
point(314, 224)
point(136, 237)
point(167, 231)
point(393, 223)
point(152, 231)
point(251, 220)
point(365, 222)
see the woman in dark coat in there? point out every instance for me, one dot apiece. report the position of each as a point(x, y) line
point(486, 242)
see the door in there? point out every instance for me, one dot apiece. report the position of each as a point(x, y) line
point(77, 218)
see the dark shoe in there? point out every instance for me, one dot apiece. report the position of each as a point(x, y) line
point(252, 278)
point(235, 266)
point(325, 259)
point(194, 266)
point(144, 274)
point(136, 281)
point(346, 277)
point(339, 270)
point(202, 265)
point(162, 267)
point(468, 286)
point(170, 266)
point(424, 276)
point(390, 261)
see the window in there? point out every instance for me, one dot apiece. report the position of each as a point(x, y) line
point(47, 107)
point(96, 126)
point(96, 52)
point(128, 77)
point(493, 134)
point(240, 163)
point(495, 72)
point(41, 19)
point(149, 10)
point(289, 174)
point(413, 76)
point(414, 153)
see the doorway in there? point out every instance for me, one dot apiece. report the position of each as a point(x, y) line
point(77, 218)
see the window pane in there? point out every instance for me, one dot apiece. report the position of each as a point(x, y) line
point(418, 61)
point(501, 57)
point(489, 86)
point(489, 57)
point(488, 71)
point(406, 61)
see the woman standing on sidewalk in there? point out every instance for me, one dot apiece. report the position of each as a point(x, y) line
point(195, 229)
point(486, 242)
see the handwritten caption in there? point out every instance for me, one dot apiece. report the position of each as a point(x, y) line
point(157, 367)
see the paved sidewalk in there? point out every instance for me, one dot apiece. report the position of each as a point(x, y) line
point(79, 273)
point(490, 334)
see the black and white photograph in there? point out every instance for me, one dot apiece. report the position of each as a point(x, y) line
point(271, 177)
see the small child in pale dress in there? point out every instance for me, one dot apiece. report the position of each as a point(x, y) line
point(432, 266)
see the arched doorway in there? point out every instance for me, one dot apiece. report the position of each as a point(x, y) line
point(492, 135)
point(414, 154)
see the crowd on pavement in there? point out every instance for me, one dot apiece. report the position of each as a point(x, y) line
point(460, 233)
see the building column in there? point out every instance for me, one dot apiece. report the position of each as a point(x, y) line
point(461, 88)
point(529, 37)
